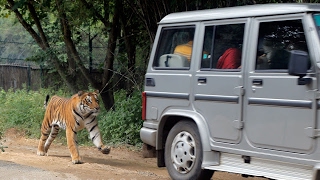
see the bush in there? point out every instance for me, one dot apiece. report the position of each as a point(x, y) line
point(23, 110)
point(123, 125)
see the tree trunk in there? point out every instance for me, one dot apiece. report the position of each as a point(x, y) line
point(130, 42)
point(71, 48)
point(107, 91)
point(41, 40)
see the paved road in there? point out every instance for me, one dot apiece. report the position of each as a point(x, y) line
point(13, 171)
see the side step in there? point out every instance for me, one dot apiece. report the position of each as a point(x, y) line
point(262, 167)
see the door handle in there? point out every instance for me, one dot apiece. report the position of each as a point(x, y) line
point(202, 80)
point(257, 82)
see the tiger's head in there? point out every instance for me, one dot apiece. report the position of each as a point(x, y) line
point(89, 102)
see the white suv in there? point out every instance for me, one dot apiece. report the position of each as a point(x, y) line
point(237, 90)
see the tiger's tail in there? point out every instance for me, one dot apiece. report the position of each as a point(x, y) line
point(45, 103)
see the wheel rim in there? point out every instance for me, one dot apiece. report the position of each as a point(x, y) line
point(183, 152)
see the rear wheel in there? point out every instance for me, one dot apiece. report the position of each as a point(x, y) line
point(183, 153)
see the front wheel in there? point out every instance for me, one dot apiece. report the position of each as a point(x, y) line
point(183, 153)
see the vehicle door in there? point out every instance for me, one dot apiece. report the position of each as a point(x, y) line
point(168, 77)
point(278, 112)
point(218, 83)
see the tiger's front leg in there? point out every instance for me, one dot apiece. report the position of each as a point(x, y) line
point(72, 145)
point(95, 136)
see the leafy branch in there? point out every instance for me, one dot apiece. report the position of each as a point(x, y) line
point(2, 147)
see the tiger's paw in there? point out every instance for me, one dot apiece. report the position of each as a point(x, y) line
point(76, 161)
point(41, 153)
point(105, 149)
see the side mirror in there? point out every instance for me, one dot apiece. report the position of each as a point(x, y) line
point(298, 66)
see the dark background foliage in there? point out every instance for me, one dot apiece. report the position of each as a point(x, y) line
point(88, 44)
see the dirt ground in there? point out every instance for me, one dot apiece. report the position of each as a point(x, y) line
point(19, 161)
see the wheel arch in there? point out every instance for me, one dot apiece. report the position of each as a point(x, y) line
point(171, 117)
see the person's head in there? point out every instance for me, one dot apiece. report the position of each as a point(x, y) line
point(190, 34)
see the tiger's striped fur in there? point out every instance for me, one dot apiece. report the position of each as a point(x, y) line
point(73, 115)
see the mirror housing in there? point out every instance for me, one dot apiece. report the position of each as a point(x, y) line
point(299, 65)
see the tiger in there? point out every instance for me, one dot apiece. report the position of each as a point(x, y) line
point(71, 114)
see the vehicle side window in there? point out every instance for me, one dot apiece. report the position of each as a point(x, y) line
point(276, 41)
point(174, 48)
point(222, 47)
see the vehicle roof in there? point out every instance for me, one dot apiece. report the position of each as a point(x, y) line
point(240, 11)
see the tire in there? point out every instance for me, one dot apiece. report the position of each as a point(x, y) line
point(184, 154)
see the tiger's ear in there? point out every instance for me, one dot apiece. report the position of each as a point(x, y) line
point(96, 91)
point(80, 93)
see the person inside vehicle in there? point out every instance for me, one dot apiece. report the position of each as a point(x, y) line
point(185, 49)
point(264, 53)
point(230, 59)
point(274, 57)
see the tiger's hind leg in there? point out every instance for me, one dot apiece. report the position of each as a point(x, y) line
point(47, 136)
point(45, 132)
point(54, 132)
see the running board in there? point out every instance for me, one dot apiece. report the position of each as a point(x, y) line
point(262, 167)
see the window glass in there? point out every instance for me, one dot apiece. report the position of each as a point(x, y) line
point(222, 47)
point(276, 41)
point(316, 18)
point(174, 48)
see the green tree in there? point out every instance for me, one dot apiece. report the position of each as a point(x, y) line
point(62, 28)
point(53, 24)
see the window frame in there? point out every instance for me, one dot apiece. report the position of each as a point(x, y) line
point(156, 57)
point(255, 28)
point(224, 22)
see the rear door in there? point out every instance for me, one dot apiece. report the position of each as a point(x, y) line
point(218, 83)
point(278, 113)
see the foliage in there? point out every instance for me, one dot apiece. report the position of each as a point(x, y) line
point(15, 45)
point(123, 124)
point(23, 110)
point(1, 145)
point(61, 29)
point(66, 32)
